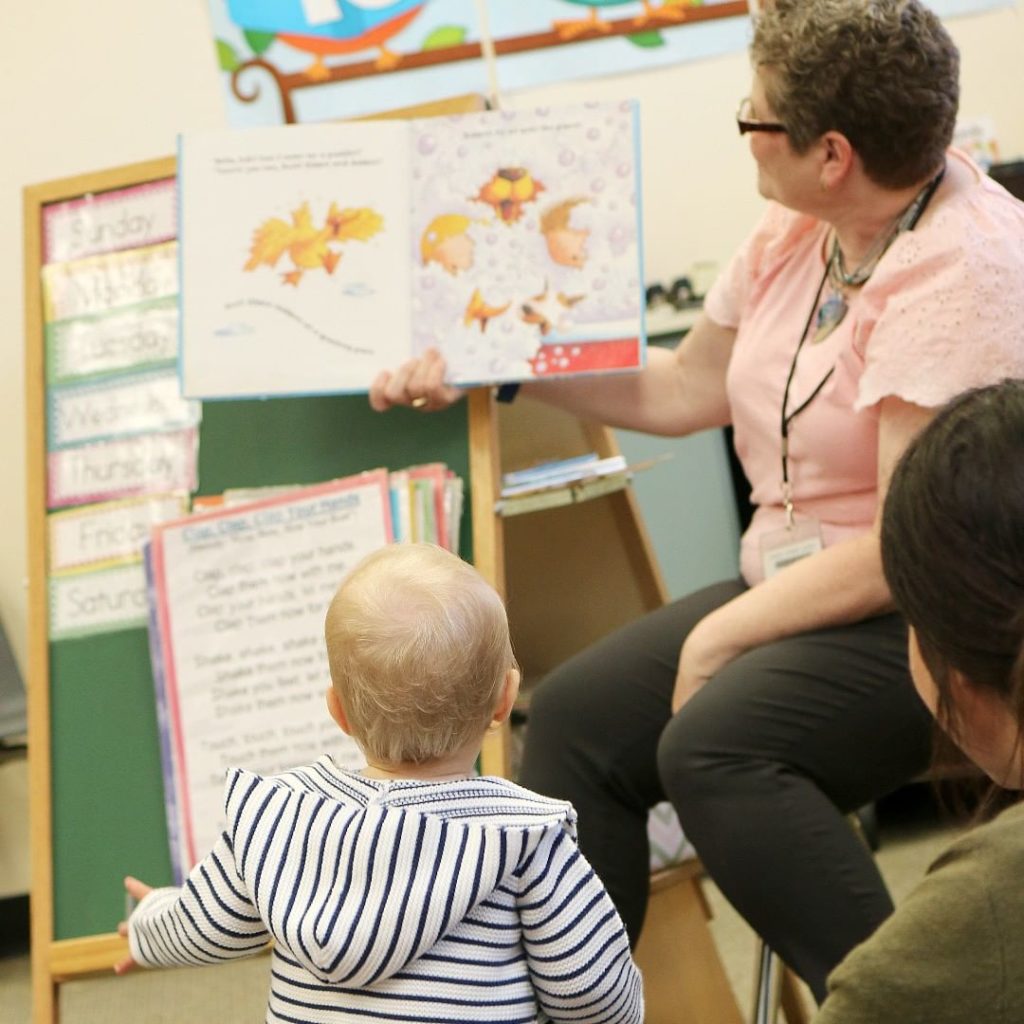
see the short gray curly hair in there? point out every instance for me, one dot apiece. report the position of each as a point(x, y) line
point(885, 73)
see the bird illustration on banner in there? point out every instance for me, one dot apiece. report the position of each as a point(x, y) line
point(673, 10)
point(324, 28)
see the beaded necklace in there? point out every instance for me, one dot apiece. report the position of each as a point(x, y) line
point(834, 308)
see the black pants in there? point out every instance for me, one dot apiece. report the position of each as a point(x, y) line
point(761, 766)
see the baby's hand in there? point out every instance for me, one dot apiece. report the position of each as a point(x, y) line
point(419, 383)
point(138, 891)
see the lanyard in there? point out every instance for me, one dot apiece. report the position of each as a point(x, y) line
point(907, 222)
point(788, 417)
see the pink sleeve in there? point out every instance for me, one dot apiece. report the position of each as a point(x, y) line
point(770, 241)
point(948, 313)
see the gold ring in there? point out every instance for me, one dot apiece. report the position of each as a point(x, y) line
point(418, 403)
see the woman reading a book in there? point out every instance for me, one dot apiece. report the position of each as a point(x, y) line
point(886, 276)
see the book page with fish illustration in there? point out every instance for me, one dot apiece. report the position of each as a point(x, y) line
point(526, 242)
point(295, 270)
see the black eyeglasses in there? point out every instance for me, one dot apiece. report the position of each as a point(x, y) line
point(747, 123)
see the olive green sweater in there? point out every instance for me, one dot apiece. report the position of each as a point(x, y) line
point(953, 952)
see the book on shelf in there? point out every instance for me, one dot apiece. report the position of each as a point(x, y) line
point(425, 501)
point(315, 256)
point(566, 482)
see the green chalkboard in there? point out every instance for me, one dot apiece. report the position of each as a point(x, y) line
point(107, 792)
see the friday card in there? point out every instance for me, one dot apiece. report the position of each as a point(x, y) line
point(114, 531)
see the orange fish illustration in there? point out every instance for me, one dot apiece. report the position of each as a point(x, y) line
point(480, 312)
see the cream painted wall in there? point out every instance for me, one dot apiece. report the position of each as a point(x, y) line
point(90, 85)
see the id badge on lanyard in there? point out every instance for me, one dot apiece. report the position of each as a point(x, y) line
point(799, 537)
point(795, 540)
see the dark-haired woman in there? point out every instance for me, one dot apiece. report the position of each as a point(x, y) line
point(886, 276)
point(953, 552)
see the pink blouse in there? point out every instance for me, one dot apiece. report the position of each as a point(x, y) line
point(942, 312)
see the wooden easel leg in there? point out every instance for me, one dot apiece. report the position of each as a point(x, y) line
point(684, 981)
point(45, 1002)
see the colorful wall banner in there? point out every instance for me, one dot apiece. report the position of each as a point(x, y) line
point(550, 41)
point(299, 60)
point(316, 60)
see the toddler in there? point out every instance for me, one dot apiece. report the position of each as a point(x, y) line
point(410, 890)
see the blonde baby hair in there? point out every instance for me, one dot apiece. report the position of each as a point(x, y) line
point(439, 230)
point(419, 650)
point(556, 218)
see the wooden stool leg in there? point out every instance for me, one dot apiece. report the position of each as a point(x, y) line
point(794, 1006)
point(684, 981)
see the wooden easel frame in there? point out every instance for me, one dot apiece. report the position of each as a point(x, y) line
point(51, 961)
point(55, 961)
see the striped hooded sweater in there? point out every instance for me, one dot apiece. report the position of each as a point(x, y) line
point(401, 901)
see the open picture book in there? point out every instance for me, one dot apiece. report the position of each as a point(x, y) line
point(315, 256)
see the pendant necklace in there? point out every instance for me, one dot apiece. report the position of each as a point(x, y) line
point(835, 307)
point(831, 314)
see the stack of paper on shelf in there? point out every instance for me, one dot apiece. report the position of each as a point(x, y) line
point(561, 482)
point(560, 473)
point(567, 481)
